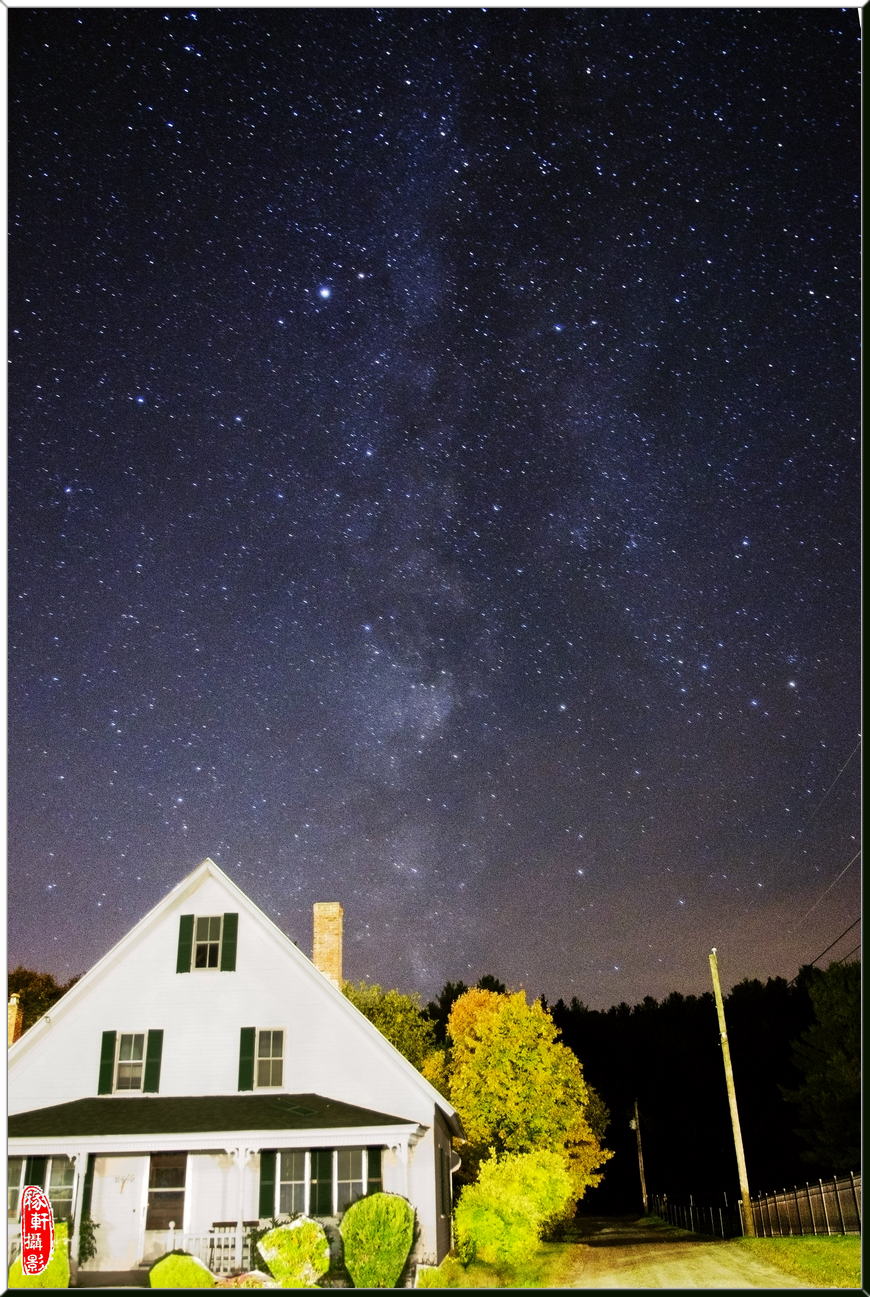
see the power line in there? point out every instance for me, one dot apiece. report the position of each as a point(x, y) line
point(831, 947)
point(839, 772)
point(851, 952)
point(827, 889)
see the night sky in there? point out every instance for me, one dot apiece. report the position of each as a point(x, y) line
point(434, 485)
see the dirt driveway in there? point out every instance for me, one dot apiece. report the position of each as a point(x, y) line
point(617, 1252)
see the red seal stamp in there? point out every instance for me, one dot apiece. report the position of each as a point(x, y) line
point(37, 1230)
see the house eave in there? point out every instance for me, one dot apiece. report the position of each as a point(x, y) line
point(393, 1136)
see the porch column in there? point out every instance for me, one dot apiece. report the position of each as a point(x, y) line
point(241, 1153)
point(79, 1159)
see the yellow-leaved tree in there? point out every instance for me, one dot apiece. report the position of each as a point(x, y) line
point(517, 1089)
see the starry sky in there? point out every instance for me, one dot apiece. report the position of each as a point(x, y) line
point(433, 485)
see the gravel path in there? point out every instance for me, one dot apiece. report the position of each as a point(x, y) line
point(619, 1253)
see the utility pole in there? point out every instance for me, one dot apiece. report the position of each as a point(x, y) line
point(748, 1220)
point(635, 1125)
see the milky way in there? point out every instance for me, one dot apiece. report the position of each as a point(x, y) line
point(433, 481)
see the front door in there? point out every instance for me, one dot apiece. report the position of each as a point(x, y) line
point(118, 1205)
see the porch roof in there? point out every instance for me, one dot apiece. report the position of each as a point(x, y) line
point(156, 1115)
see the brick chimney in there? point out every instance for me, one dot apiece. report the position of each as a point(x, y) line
point(326, 955)
point(15, 1018)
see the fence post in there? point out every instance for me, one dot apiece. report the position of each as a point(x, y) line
point(721, 1223)
point(839, 1206)
point(778, 1217)
point(740, 1214)
point(798, 1210)
point(855, 1198)
point(810, 1202)
point(824, 1206)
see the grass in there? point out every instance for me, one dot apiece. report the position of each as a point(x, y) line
point(825, 1262)
point(550, 1267)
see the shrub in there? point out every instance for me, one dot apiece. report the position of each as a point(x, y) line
point(87, 1239)
point(180, 1270)
point(377, 1232)
point(500, 1219)
point(430, 1276)
point(55, 1274)
point(296, 1253)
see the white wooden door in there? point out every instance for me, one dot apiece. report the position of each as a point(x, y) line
point(118, 1205)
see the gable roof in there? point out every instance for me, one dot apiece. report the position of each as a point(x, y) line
point(174, 902)
point(195, 1115)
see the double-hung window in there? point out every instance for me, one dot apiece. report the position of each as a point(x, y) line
point(270, 1059)
point(166, 1180)
point(317, 1181)
point(207, 941)
point(292, 1182)
point(130, 1062)
point(56, 1175)
point(261, 1058)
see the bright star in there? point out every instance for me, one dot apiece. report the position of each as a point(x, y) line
point(325, 292)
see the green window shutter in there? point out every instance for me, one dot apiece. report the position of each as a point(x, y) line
point(153, 1057)
point(268, 1158)
point(321, 1182)
point(107, 1063)
point(228, 943)
point(246, 1058)
point(34, 1171)
point(185, 943)
point(88, 1186)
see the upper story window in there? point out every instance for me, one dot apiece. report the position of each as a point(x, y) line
point(261, 1058)
point(131, 1062)
point(270, 1058)
point(207, 941)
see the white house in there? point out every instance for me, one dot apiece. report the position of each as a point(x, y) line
point(205, 1076)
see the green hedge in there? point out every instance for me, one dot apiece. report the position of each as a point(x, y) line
point(180, 1270)
point(377, 1233)
point(500, 1218)
point(55, 1274)
point(297, 1253)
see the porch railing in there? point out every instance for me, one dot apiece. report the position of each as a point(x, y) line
point(222, 1250)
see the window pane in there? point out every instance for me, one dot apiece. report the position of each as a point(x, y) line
point(293, 1165)
point(264, 1045)
point(277, 1072)
point(129, 1076)
point(292, 1200)
point(132, 1047)
point(164, 1206)
point(202, 929)
point(167, 1170)
point(264, 1072)
point(60, 1187)
point(277, 1044)
point(201, 960)
point(350, 1164)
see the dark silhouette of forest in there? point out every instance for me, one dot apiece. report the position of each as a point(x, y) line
point(667, 1055)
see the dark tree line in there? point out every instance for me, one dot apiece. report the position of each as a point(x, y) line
point(38, 992)
point(667, 1055)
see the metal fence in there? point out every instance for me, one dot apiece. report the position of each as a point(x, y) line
point(724, 1220)
point(829, 1207)
point(825, 1207)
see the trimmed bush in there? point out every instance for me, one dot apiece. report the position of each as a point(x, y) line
point(55, 1274)
point(501, 1217)
point(296, 1253)
point(180, 1270)
point(377, 1233)
point(430, 1276)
